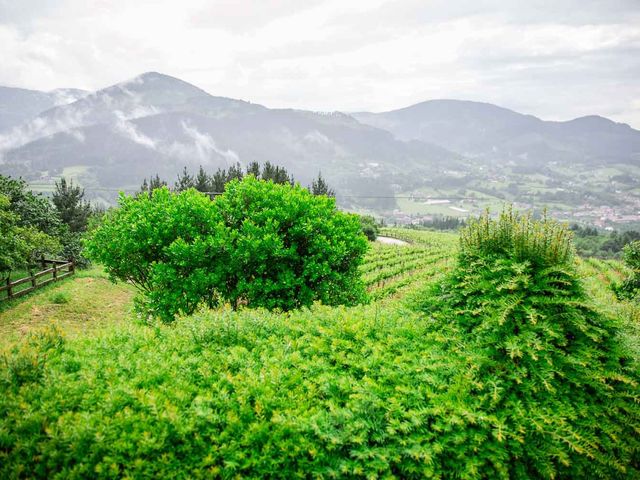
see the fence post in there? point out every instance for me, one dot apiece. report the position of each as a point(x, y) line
point(42, 261)
point(9, 292)
point(72, 267)
point(55, 272)
point(33, 278)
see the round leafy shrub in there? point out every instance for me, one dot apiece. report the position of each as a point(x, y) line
point(170, 246)
point(288, 248)
point(259, 244)
point(369, 227)
point(552, 375)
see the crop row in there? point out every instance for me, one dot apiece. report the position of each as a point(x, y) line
point(375, 264)
point(393, 285)
point(604, 270)
point(394, 270)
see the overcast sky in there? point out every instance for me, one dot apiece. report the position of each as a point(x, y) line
point(556, 59)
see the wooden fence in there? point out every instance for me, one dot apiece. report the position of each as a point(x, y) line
point(58, 270)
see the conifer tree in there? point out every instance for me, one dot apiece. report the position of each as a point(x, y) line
point(253, 169)
point(320, 187)
point(146, 188)
point(553, 377)
point(268, 171)
point(185, 181)
point(235, 172)
point(202, 181)
point(218, 180)
point(69, 200)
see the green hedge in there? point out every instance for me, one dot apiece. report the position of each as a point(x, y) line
point(326, 392)
point(323, 392)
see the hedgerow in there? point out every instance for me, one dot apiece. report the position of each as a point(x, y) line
point(326, 392)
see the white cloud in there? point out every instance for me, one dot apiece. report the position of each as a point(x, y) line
point(555, 60)
point(200, 147)
point(129, 130)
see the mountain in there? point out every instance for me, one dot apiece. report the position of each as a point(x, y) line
point(18, 105)
point(482, 130)
point(583, 169)
point(154, 123)
point(441, 156)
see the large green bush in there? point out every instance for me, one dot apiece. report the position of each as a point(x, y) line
point(259, 244)
point(289, 248)
point(170, 246)
point(553, 374)
point(369, 227)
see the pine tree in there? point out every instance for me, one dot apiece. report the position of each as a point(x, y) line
point(202, 181)
point(185, 181)
point(320, 187)
point(148, 187)
point(235, 172)
point(268, 171)
point(253, 169)
point(281, 176)
point(73, 209)
point(156, 182)
point(276, 174)
point(218, 181)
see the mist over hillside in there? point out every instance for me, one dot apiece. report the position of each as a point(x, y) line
point(440, 156)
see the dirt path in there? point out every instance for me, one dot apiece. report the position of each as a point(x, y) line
point(391, 241)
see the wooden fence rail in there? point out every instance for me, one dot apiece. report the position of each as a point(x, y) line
point(60, 269)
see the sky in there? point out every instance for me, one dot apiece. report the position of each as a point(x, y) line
point(556, 59)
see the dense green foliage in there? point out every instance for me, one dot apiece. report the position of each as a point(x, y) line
point(247, 394)
point(517, 237)
point(369, 227)
point(170, 246)
point(591, 242)
point(33, 210)
point(554, 374)
point(20, 245)
point(53, 228)
point(258, 244)
point(443, 222)
point(369, 391)
point(29, 226)
point(73, 210)
point(629, 288)
point(289, 248)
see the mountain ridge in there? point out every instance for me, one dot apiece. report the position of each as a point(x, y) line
point(156, 123)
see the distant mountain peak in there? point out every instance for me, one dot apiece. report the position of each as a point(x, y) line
point(157, 78)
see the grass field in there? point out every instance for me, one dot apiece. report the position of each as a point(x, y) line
point(79, 305)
